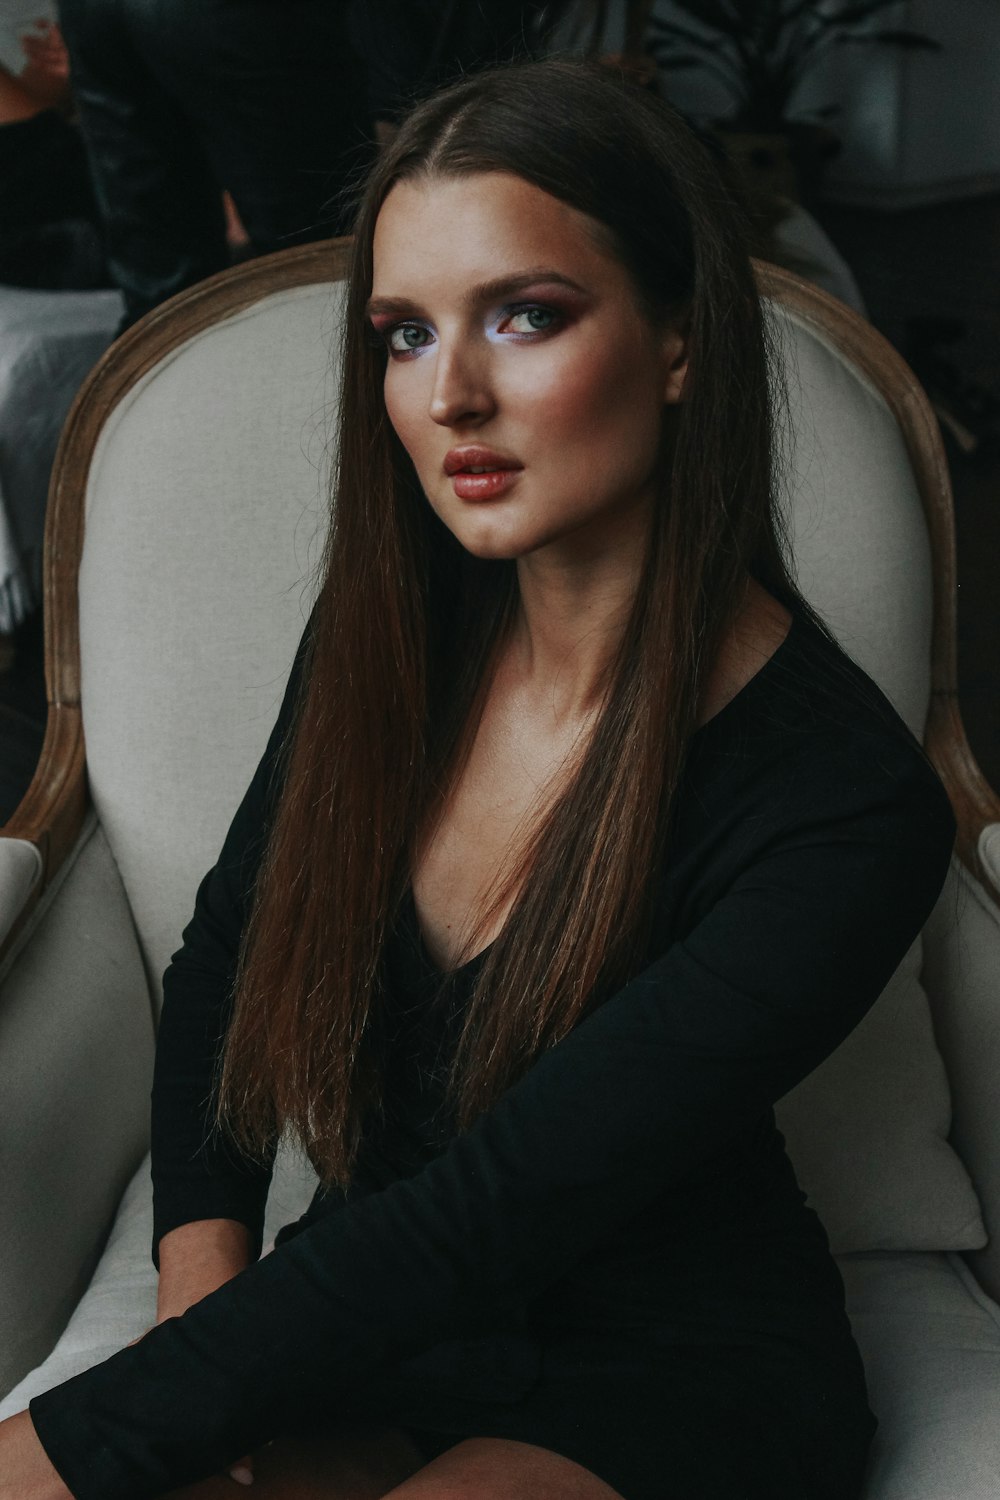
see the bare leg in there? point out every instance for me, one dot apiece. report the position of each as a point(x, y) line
point(357, 1465)
point(499, 1468)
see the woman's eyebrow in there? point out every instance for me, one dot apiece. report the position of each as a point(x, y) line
point(485, 291)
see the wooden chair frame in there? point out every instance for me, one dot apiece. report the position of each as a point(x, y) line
point(52, 812)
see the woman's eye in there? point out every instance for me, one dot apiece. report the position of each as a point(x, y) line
point(532, 320)
point(406, 337)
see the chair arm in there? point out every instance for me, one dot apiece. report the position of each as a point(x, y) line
point(51, 815)
point(20, 873)
point(76, 1049)
point(974, 802)
point(989, 852)
point(962, 976)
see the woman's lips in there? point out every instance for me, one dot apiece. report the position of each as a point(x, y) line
point(480, 473)
point(485, 486)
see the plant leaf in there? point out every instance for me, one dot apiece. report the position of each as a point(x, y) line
point(712, 13)
point(670, 29)
point(708, 12)
point(784, 19)
point(704, 43)
point(857, 12)
point(912, 41)
point(682, 61)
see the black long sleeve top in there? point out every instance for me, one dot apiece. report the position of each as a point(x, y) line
point(810, 840)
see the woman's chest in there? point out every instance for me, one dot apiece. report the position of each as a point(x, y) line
point(469, 868)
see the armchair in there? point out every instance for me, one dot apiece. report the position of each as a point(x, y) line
point(186, 516)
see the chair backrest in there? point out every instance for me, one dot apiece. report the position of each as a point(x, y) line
point(206, 512)
point(203, 451)
point(858, 530)
point(206, 503)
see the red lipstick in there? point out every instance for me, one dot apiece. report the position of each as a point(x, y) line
point(479, 473)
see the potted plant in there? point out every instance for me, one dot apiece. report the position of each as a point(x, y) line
point(761, 50)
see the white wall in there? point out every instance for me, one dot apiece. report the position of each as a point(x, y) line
point(950, 103)
point(916, 126)
point(921, 127)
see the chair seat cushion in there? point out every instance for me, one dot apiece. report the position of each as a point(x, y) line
point(882, 1098)
point(120, 1303)
point(930, 1339)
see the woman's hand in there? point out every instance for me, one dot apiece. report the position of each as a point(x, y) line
point(25, 1471)
point(45, 75)
point(196, 1259)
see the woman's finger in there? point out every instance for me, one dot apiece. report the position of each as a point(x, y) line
point(242, 1472)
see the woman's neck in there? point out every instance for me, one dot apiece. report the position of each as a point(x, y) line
point(570, 623)
point(565, 635)
point(571, 617)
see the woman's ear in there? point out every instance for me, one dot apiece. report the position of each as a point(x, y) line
point(675, 354)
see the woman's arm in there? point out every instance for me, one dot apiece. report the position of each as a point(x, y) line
point(198, 1258)
point(667, 1073)
point(25, 1470)
point(195, 1260)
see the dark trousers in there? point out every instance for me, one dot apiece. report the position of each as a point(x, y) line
point(48, 219)
point(179, 99)
point(413, 46)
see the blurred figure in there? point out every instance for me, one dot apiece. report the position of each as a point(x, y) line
point(412, 47)
point(49, 239)
point(44, 78)
point(180, 99)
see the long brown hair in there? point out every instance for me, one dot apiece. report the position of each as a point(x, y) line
point(406, 623)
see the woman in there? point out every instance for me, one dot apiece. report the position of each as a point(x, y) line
point(577, 844)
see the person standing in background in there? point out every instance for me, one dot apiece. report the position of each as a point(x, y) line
point(49, 235)
point(180, 99)
point(412, 47)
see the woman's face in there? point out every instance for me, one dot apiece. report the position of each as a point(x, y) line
point(523, 379)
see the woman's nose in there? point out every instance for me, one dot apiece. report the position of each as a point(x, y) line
point(462, 391)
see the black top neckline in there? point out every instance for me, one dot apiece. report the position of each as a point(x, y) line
point(409, 917)
point(760, 678)
point(728, 710)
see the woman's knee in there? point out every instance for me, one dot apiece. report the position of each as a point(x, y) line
point(361, 1464)
point(496, 1469)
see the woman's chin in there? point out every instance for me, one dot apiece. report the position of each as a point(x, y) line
point(494, 543)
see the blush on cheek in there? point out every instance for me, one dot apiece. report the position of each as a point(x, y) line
point(607, 405)
point(569, 397)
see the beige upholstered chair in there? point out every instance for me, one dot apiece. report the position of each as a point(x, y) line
point(186, 518)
